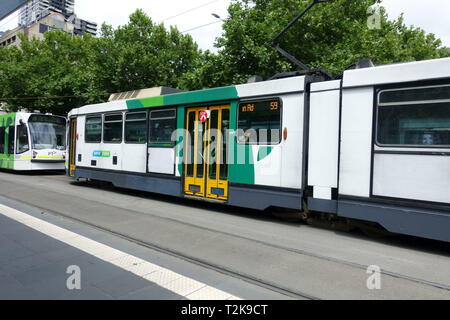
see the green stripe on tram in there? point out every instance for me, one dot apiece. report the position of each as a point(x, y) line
point(241, 168)
point(225, 93)
point(7, 120)
point(6, 160)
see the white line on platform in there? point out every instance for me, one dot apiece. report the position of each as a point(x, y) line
point(181, 285)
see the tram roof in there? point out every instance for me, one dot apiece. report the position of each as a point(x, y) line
point(213, 96)
point(398, 73)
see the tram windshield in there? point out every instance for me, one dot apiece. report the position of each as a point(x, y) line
point(47, 132)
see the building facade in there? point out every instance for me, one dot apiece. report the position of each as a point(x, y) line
point(53, 21)
point(36, 10)
point(83, 26)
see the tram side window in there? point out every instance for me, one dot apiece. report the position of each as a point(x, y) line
point(259, 122)
point(163, 123)
point(136, 127)
point(22, 139)
point(414, 117)
point(2, 140)
point(11, 140)
point(112, 128)
point(93, 129)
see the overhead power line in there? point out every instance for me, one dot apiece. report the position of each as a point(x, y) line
point(55, 97)
point(201, 26)
point(190, 10)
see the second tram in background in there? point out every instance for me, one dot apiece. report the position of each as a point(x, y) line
point(31, 141)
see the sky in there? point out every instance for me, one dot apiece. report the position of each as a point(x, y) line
point(430, 15)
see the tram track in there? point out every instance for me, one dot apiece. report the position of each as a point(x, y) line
point(221, 268)
point(304, 252)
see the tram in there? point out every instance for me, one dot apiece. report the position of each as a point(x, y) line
point(372, 146)
point(31, 141)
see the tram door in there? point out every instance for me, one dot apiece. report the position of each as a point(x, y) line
point(206, 168)
point(72, 146)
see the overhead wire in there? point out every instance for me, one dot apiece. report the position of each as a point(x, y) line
point(190, 10)
point(55, 97)
point(200, 26)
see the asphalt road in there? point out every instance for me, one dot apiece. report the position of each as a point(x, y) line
point(280, 256)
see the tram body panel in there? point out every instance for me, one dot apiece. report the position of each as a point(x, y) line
point(396, 132)
point(293, 150)
point(356, 142)
point(134, 156)
point(269, 159)
point(324, 138)
point(406, 164)
point(412, 177)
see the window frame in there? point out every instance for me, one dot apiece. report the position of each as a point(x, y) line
point(394, 104)
point(101, 130)
point(280, 101)
point(17, 139)
point(13, 140)
point(147, 128)
point(3, 142)
point(170, 144)
point(114, 121)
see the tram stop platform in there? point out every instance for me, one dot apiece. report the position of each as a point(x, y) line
point(45, 256)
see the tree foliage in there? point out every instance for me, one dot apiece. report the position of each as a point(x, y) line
point(331, 35)
point(63, 72)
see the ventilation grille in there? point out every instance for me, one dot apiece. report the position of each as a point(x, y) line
point(124, 95)
point(143, 93)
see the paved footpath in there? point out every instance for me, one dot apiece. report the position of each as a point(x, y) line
point(47, 257)
point(247, 249)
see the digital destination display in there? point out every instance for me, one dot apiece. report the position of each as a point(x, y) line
point(271, 105)
point(47, 119)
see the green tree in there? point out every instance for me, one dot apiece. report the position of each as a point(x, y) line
point(332, 36)
point(63, 72)
point(49, 75)
point(142, 54)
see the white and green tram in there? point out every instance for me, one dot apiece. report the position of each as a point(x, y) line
point(371, 146)
point(31, 141)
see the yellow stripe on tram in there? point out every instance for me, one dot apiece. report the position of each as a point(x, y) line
point(49, 158)
point(26, 158)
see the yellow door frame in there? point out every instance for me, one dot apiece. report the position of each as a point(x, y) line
point(73, 146)
point(205, 186)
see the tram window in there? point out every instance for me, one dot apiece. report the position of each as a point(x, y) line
point(22, 139)
point(422, 123)
point(93, 129)
point(163, 124)
point(112, 128)
point(47, 132)
point(136, 127)
point(415, 94)
point(2, 140)
point(259, 122)
point(11, 134)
